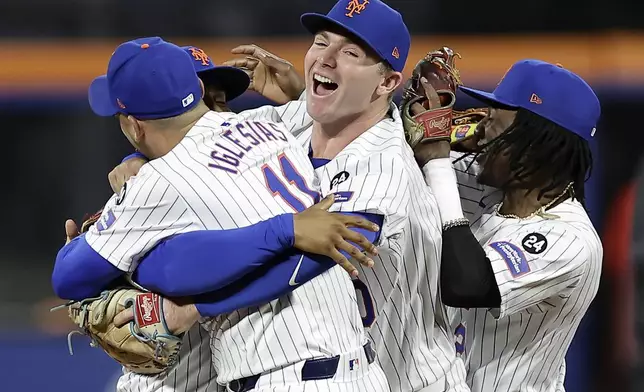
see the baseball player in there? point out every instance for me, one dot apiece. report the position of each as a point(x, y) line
point(528, 269)
point(194, 371)
point(221, 84)
point(223, 171)
point(354, 141)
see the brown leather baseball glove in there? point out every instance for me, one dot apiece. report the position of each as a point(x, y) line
point(435, 118)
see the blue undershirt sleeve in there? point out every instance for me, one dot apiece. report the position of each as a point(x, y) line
point(279, 277)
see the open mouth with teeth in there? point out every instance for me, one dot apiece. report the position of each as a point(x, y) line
point(323, 86)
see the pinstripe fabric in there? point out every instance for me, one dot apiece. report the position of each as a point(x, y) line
point(548, 273)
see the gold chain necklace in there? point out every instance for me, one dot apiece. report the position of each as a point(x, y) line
point(541, 211)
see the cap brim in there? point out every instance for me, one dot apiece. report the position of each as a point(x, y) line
point(99, 98)
point(488, 98)
point(314, 23)
point(232, 80)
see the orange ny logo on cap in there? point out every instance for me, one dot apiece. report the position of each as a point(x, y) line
point(355, 6)
point(200, 55)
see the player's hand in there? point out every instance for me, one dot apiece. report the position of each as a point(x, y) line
point(325, 233)
point(71, 230)
point(426, 151)
point(179, 316)
point(271, 76)
point(123, 172)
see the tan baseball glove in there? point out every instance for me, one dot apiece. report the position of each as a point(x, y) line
point(435, 118)
point(143, 346)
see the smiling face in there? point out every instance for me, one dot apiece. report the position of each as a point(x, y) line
point(343, 79)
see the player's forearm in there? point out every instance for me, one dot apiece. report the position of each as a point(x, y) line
point(275, 279)
point(467, 278)
point(80, 272)
point(207, 260)
point(267, 283)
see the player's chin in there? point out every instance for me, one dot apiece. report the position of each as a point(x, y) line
point(489, 178)
point(322, 112)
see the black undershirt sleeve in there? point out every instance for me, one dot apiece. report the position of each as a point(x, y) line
point(466, 278)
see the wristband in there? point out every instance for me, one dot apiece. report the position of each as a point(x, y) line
point(440, 176)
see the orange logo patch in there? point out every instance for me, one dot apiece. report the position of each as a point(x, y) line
point(355, 6)
point(534, 98)
point(200, 55)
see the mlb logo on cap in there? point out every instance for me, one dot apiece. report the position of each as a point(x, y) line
point(549, 91)
point(147, 78)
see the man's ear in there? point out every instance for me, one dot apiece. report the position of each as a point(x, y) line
point(203, 88)
point(390, 82)
point(137, 129)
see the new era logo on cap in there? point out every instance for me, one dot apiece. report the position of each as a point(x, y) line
point(549, 91)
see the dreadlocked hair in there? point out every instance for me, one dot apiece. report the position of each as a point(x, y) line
point(542, 152)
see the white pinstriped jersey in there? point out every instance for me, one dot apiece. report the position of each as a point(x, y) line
point(194, 372)
point(377, 173)
point(548, 273)
point(232, 171)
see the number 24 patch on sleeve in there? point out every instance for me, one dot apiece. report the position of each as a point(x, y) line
point(513, 257)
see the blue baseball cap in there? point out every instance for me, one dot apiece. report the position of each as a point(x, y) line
point(147, 78)
point(549, 91)
point(233, 81)
point(374, 22)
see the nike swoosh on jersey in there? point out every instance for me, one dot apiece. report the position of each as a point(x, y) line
point(292, 281)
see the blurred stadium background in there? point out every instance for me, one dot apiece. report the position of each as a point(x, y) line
point(57, 153)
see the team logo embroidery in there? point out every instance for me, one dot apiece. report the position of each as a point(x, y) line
point(395, 53)
point(513, 257)
point(355, 7)
point(339, 179)
point(534, 98)
point(535, 243)
point(120, 104)
point(200, 55)
point(354, 364)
